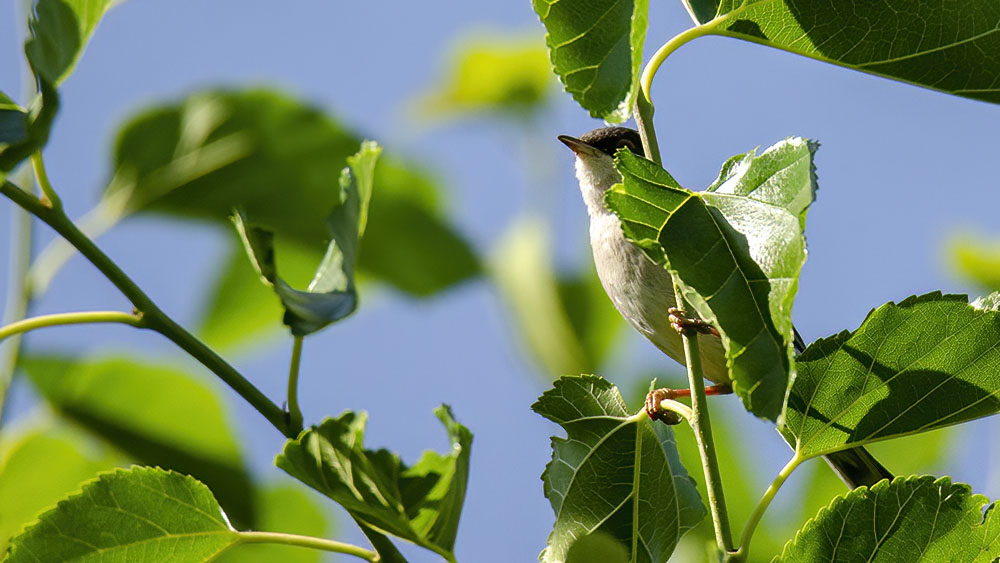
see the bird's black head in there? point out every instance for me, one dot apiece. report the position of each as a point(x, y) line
point(606, 140)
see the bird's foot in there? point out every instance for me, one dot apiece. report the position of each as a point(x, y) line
point(682, 323)
point(656, 396)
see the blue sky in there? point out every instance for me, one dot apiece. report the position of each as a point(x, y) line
point(900, 168)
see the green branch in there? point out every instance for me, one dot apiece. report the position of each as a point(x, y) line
point(294, 412)
point(700, 420)
point(60, 319)
point(153, 316)
point(310, 542)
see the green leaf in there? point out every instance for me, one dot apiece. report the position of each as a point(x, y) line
point(155, 415)
point(279, 160)
point(928, 362)
point(140, 514)
point(614, 475)
point(13, 123)
point(421, 504)
point(909, 519)
point(27, 132)
point(567, 323)
point(491, 73)
point(60, 30)
point(332, 294)
point(240, 310)
point(976, 259)
point(288, 510)
point(39, 468)
point(737, 251)
point(596, 49)
point(936, 44)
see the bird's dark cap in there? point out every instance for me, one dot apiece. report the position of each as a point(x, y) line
point(606, 140)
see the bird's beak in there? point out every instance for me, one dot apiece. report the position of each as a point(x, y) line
point(577, 146)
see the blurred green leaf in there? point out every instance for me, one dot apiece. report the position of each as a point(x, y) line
point(60, 30)
point(928, 362)
point(567, 324)
point(909, 519)
point(140, 514)
point(931, 43)
point(604, 472)
point(40, 467)
point(596, 49)
point(491, 73)
point(421, 504)
point(283, 509)
point(156, 415)
point(13, 122)
point(737, 251)
point(280, 160)
point(26, 132)
point(976, 259)
point(332, 294)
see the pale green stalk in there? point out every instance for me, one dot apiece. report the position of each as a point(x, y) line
point(310, 542)
point(294, 411)
point(758, 511)
point(62, 319)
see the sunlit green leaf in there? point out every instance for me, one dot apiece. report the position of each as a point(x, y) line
point(332, 293)
point(39, 468)
point(492, 73)
point(283, 509)
point(927, 362)
point(60, 30)
point(939, 44)
point(909, 519)
point(737, 251)
point(567, 324)
point(604, 473)
point(140, 514)
point(421, 503)
point(156, 415)
point(596, 49)
point(976, 259)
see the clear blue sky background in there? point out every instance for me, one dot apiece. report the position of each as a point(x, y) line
point(900, 168)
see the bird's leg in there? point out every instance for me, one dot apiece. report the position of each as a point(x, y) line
point(655, 396)
point(680, 322)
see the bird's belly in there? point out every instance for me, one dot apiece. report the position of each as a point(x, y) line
point(643, 293)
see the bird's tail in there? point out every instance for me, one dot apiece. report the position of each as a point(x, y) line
point(857, 467)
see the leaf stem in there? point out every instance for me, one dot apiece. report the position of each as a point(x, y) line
point(294, 411)
point(18, 296)
point(310, 542)
point(60, 319)
point(49, 196)
point(678, 407)
point(154, 317)
point(758, 511)
point(646, 81)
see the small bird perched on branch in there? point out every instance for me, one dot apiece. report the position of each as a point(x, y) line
point(643, 291)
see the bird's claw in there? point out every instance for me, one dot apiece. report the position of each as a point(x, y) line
point(653, 410)
point(683, 323)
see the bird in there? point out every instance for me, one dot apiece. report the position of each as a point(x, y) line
point(643, 292)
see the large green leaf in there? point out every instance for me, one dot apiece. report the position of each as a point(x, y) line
point(155, 415)
point(40, 467)
point(927, 362)
point(596, 49)
point(279, 160)
point(140, 514)
point(332, 293)
point(60, 30)
point(421, 504)
point(288, 510)
point(940, 44)
point(737, 251)
point(491, 73)
point(614, 476)
point(909, 519)
point(566, 322)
